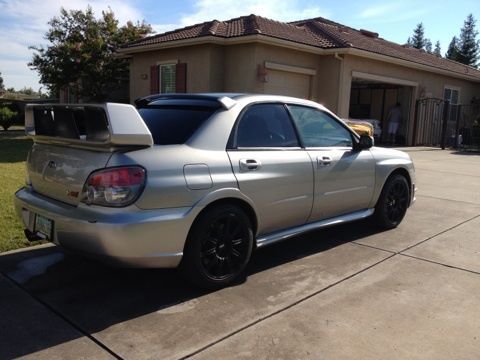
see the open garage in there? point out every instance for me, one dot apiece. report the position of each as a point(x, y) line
point(371, 98)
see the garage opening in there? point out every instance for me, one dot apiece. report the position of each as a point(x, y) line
point(373, 100)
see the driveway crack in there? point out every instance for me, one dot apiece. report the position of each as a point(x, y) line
point(439, 263)
point(440, 233)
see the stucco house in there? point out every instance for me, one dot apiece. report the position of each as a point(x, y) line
point(355, 73)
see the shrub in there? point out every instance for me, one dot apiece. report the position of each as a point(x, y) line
point(7, 117)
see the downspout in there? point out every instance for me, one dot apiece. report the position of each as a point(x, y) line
point(340, 83)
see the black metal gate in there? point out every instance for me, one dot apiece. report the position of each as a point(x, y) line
point(439, 123)
point(468, 127)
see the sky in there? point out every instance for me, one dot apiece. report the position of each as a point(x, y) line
point(23, 23)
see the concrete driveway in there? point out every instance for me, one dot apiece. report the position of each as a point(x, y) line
point(345, 292)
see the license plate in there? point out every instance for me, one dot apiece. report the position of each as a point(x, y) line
point(43, 226)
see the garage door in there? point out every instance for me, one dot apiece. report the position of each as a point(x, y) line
point(287, 83)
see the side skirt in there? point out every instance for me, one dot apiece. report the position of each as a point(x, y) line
point(288, 233)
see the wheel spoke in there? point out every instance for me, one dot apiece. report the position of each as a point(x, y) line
point(236, 253)
point(212, 240)
point(227, 226)
point(209, 252)
point(236, 242)
point(221, 267)
point(228, 263)
point(210, 265)
point(235, 229)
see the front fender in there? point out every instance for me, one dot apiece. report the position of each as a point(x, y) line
point(387, 161)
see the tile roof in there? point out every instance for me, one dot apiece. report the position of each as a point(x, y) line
point(317, 32)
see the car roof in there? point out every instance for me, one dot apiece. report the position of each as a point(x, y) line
point(225, 100)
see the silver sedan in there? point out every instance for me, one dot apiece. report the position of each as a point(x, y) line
point(200, 181)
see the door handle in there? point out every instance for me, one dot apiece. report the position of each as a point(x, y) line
point(249, 164)
point(324, 161)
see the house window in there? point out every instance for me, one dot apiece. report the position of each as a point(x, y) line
point(452, 95)
point(167, 79)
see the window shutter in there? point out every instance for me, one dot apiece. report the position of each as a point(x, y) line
point(181, 78)
point(154, 80)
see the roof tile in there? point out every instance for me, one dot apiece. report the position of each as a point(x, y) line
point(317, 32)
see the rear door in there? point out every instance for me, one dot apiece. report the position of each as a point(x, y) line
point(271, 168)
point(344, 177)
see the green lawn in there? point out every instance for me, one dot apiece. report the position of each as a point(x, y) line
point(13, 152)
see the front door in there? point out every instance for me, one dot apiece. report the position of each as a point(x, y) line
point(344, 177)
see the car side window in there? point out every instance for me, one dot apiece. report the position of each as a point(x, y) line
point(318, 129)
point(265, 125)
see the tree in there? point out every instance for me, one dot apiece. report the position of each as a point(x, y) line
point(2, 87)
point(428, 46)
point(437, 51)
point(418, 38)
point(469, 47)
point(81, 54)
point(7, 116)
point(452, 52)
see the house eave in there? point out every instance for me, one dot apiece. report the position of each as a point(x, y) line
point(215, 40)
point(407, 63)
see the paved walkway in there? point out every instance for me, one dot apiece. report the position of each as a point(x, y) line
point(345, 292)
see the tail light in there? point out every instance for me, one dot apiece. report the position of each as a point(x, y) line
point(115, 187)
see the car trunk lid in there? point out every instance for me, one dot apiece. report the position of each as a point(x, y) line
point(72, 141)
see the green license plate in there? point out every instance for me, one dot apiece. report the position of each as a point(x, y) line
point(43, 226)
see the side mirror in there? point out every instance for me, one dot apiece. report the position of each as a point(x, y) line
point(365, 142)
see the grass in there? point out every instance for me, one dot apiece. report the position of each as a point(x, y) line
point(14, 147)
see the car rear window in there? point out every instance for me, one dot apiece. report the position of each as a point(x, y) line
point(174, 124)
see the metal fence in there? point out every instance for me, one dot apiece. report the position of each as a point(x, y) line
point(439, 123)
point(468, 127)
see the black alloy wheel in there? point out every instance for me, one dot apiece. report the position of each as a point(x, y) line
point(219, 247)
point(393, 202)
point(397, 201)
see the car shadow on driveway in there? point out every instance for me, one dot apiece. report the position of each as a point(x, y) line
point(93, 296)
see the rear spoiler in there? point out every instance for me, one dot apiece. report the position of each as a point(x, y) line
point(223, 101)
point(87, 125)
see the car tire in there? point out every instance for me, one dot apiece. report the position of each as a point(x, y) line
point(393, 202)
point(218, 247)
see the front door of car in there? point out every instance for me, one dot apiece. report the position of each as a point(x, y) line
point(344, 177)
point(271, 168)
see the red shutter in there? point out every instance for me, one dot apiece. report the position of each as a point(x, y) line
point(181, 78)
point(154, 79)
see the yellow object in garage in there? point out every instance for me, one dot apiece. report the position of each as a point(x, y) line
point(360, 127)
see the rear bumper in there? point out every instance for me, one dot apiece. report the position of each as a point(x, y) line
point(128, 236)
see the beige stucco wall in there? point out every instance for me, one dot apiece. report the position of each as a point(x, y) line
point(217, 68)
point(240, 68)
point(328, 79)
point(203, 74)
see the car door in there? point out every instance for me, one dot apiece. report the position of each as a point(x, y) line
point(344, 177)
point(271, 168)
